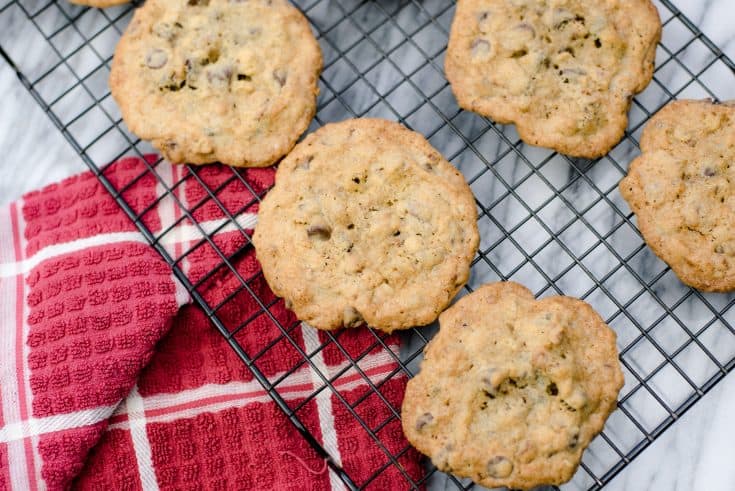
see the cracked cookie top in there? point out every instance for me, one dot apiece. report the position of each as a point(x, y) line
point(511, 389)
point(367, 223)
point(217, 80)
point(563, 71)
point(682, 190)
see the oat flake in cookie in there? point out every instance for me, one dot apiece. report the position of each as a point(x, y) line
point(367, 223)
point(682, 190)
point(512, 389)
point(217, 80)
point(563, 71)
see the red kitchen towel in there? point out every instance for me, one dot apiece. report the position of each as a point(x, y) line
point(109, 379)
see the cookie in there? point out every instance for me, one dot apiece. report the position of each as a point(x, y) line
point(217, 80)
point(682, 190)
point(563, 71)
point(512, 390)
point(367, 223)
point(99, 3)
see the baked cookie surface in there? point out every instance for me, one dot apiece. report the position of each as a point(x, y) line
point(511, 389)
point(682, 190)
point(367, 223)
point(216, 80)
point(563, 71)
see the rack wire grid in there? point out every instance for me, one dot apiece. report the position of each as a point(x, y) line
point(555, 224)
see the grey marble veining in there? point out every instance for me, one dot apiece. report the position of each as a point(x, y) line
point(555, 225)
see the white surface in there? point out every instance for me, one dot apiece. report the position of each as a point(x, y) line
point(33, 152)
point(696, 453)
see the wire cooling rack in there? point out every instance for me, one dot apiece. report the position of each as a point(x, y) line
point(555, 224)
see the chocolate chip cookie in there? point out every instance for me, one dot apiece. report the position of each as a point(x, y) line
point(682, 190)
point(217, 80)
point(367, 223)
point(563, 71)
point(511, 389)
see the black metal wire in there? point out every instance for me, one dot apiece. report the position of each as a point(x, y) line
point(368, 39)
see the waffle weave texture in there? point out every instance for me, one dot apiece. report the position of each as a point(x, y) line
point(110, 378)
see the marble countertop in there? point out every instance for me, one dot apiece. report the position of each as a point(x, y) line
point(696, 453)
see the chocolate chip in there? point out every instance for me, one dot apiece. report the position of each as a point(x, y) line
point(356, 180)
point(156, 58)
point(323, 232)
point(499, 467)
point(221, 74)
point(561, 17)
point(491, 379)
point(197, 3)
point(173, 85)
point(304, 164)
point(552, 389)
point(424, 420)
point(242, 76)
point(573, 441)
point(598, 43)
point(281, 75)
point(396, 233)
point(526, 27)
point(519, 53)
point(191, 68)
point(480, 48)
point(350, 226)
point(709, 171)
point(352, 318)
